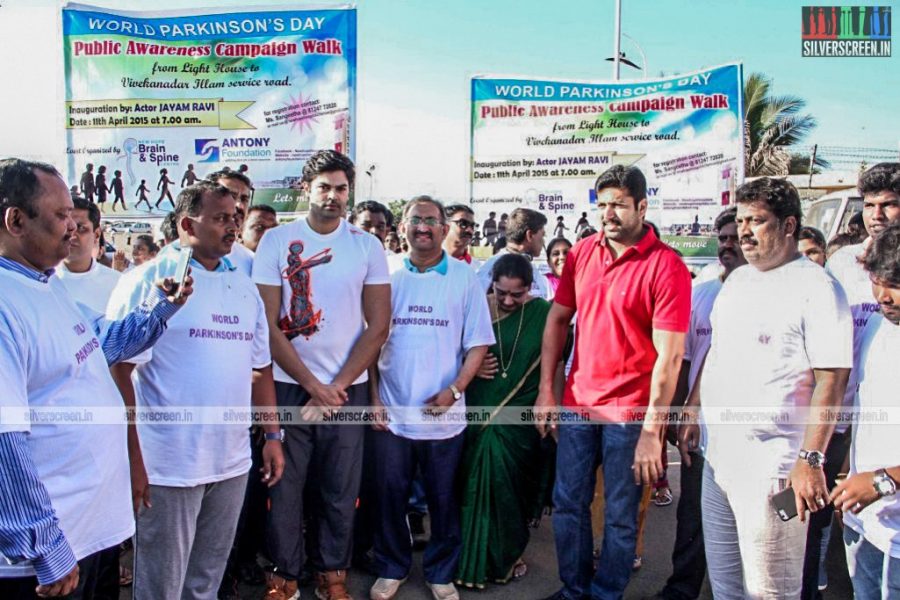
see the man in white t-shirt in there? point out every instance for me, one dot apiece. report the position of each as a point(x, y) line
point(241, 188)
point(688, 555)
point(525, 236)
point(326, 288)
point(64, 482)
point(781, 345)
point(214, 355)
point(440, 332)
point(879, 187)
point(87, 281)
point(868, 497)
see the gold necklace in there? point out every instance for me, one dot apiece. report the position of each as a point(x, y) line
point(504, 367)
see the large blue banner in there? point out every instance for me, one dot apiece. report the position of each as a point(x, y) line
point(155, 99)
point(542, 143)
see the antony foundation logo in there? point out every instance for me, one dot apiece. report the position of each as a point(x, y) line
point(846, 31)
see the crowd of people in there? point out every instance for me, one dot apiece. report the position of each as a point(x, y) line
point(361, 363)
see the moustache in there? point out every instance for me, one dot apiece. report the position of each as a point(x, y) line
point(612, 222)
point(749, 240)
point(229, 238)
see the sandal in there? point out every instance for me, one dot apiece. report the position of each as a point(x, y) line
point(520, 569)
point(126, 577)
point(663, 497)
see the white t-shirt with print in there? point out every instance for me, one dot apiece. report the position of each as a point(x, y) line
point(241, 258)
point(321, 279)
point(770, 329)
point(50, 357)
point(91, 288)
point(844, 266)
point(204, 360)
point(876, 445)
point(699, 337)
point(435, 320)
point(540, 288)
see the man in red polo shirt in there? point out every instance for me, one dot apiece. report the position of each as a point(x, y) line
point(632, 295)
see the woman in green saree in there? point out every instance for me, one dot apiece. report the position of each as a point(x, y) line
point(502, 473)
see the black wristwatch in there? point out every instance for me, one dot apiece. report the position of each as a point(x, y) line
point(275, 436)
point(884, 483)
point(813, 458)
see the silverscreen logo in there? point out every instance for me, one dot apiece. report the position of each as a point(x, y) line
point(846, 31)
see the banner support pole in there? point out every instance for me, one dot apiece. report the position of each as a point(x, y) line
point(617, 48)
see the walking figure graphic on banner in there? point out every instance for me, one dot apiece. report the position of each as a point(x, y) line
point(163, 187)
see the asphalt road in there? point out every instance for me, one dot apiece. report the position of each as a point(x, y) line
point(542, 579)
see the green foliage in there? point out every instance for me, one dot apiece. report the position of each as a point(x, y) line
point(771, 125)
point(396, 208)
point(799, 164)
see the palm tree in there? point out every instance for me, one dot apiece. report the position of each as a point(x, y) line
point(771, 125)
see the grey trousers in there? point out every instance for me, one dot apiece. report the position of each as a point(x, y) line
point(330, 457)
point(750, 553)
point(183, 540)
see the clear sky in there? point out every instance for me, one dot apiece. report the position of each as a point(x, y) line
point(416, 57)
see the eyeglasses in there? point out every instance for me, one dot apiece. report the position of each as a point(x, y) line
point(464, 223)
point(430, 221)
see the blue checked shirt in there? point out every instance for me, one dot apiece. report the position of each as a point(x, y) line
point(29, 529)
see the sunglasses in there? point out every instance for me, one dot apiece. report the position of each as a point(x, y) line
point(464, 224)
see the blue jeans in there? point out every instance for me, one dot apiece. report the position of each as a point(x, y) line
point(874, 575)
point(581, 448)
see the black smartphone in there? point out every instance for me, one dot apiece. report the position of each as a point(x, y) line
point(785, 504)
point(181, 270)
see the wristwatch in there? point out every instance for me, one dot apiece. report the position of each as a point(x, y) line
point(884, 484)
point(813, 458)
point(456, 393)
point(276, 436)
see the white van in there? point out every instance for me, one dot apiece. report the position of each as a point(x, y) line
point(140, 227)
point(831, 213)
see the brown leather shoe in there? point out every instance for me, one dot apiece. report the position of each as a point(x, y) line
point(279, 588)
point(332, 585)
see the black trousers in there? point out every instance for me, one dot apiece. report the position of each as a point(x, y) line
point(688, 556)
point(98, 579)
point(334, 453)
point(820, 520)
point(366, 515)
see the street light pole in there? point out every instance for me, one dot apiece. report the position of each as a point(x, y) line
point(371, 173)
point(617, 48)
point(640, 51)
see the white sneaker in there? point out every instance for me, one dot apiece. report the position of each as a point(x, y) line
point(385, 589)
point(443, 591)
